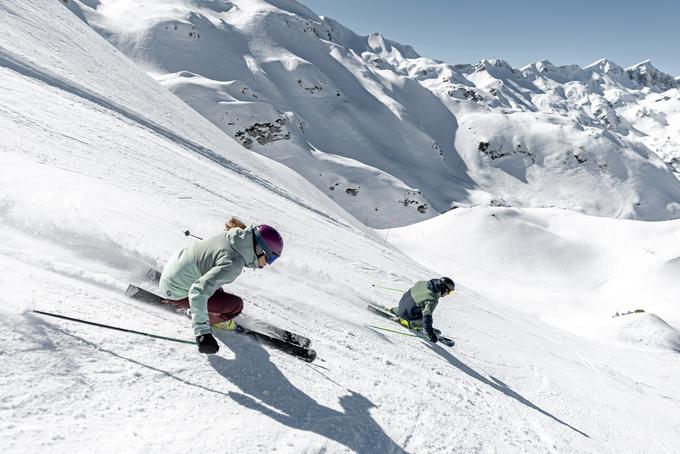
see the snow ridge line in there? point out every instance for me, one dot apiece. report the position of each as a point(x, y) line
point(51, 79)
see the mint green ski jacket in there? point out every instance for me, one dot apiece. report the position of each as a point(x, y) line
point(199, 269)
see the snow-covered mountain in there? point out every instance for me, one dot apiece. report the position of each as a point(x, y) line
point(647, 75)
point(102, 169)
point(394, 137)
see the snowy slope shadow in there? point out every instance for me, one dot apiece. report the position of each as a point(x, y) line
point(48, 330)
point(353, 428)
point(496, 384)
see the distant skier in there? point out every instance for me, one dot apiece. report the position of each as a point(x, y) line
point(418, 303)
point(194, 275)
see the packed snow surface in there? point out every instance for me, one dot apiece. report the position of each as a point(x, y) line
point(572, 270)
point(102, 169)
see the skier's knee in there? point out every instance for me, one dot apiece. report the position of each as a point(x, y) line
point(231, 307)
point(238, 307)
point(226, 304)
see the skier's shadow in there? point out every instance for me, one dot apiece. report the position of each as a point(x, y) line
point(495, 384)
point(258, 378)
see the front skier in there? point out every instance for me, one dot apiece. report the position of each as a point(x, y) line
point(418, 303)
point(194, 275)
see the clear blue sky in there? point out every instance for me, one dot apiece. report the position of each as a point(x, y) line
point(521, 31)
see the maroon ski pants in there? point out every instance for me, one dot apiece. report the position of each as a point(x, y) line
point(222, 306)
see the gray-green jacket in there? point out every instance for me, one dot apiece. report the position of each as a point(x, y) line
point(199, 269)
point(420, 301)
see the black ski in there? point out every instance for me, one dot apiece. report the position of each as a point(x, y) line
point(385, 312)
point(279, 333)
point(294, 349)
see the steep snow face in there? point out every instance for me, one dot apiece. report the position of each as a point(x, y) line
point(605, 66)
point(376, 127)
point(648, 76)
point(523, 164)
point(261, 78)
point(127, 90)
point(101, 170)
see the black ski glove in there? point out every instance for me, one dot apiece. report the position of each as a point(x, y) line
point(207, 344)
point(432, 335)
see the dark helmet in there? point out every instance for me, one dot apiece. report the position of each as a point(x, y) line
point(269, 241)
point(447, 284)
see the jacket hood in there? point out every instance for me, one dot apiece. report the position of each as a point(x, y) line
point(241, 240)
point(435, 286)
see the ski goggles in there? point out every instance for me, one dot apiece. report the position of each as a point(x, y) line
point(261, 248)
point(271, 257)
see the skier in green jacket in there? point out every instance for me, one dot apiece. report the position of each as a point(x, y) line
point(194, 275)
point(417, 304)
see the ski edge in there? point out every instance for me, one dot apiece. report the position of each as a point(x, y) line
point(384, 311)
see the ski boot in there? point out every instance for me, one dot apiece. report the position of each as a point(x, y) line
point(407, 324)
point(227, 325)
point(416, 325)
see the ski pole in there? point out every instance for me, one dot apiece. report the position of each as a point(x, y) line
point(188, 233)
point(389, 288)
point(393, 331)
point(156, 336)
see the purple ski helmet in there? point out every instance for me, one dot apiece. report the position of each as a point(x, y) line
point(269, 240)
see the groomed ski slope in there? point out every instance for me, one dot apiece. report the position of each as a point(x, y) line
point(572, 270)
point(100, 172)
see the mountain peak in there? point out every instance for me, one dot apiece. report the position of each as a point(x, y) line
point(379, 44)
point(646, 63)
point(544, 64)
point(647, 75)
point(293, 7)
point(540, 66)
point(493, 65)
point(605, 66)
point(545, 68)
point(497, 62)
